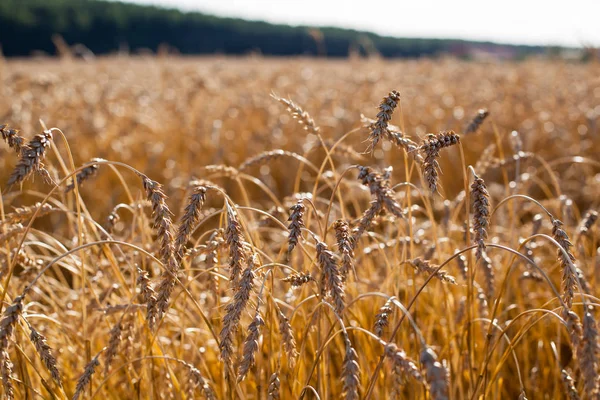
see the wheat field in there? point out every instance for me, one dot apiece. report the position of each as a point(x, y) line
point(260, 228)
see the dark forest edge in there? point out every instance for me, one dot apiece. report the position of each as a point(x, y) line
point(41, 27)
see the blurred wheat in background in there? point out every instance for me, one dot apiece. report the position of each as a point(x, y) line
point(272, 229)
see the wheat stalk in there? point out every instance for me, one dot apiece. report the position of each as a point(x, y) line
point(431, 151)
point(436, 375)
point(250, 346)
point(424, 266)
point(345, 247)
point(331, 281)
point(477, 121)
point(569, 276)
point(350, 372)
point(85, 174)
point(21, 214)
point(86, 378)
point(114, 341)
point(296, 220)
point(274, 387)
point(379, 129)
point(298, 279)
point(403, 363)
point(45, 353)
point(12, 138)
point(569, 385)
point(235, 241)
point(189, 219)
point(31, 156)
point(287, 337)
point(233, 312)
point(382, 319)
point(6, 369)
point(299, 114)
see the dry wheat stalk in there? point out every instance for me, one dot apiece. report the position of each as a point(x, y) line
point(21, 214)
point(436, 375)
point(30, 265)
point(233, 312)
point(6, 369)
point(424, 266)
point(585, 349)
point(273, 389)
point(409, 146)
point(267, 156)
point(197, 380)
point(587, 222)
point(369, 123)
point(287, 337)
point(331, 281)
point(431, 151)
point(10, 232)
point(380, 189)
point(569, 385)
point(86, 378)
point(235, 241)
point(161, 217)
point(402, 362)
point(189, 219)
point(481, 213)
point(164, 227)
point(45, 353)
point(296, 224)
point(474, 125)
point(380, 129)
point(569, 277)
point(398, 382)
point(31, 156)
point(148, 295)
point(222, 170)
point(345, 247)
point(11, 136)
point(589, 356)
point(86, 173)
point(382, 319)
point(215, 242)
point(396, 136)
point(113, 345)
point(250, 346)
point(299, 114)
point(350, 372)
point(574, 329)
point(299, 279)
point(9, 320)
point(365, 221)
point(489, 275)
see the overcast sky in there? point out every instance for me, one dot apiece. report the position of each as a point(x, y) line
point(565, 22)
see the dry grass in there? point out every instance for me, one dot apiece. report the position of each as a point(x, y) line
point(171, 274)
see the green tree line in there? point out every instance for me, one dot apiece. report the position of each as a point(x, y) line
point(28, 26)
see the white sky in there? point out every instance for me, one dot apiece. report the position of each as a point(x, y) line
point(564, 22)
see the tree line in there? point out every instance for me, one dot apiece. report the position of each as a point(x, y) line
point(28, 26)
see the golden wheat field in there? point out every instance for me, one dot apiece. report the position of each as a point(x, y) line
point(257, 228)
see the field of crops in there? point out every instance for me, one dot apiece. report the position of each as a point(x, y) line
point(296, 228)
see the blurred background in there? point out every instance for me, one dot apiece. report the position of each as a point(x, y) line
point(467, 29)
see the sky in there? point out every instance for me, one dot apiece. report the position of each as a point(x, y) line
point(544, 22)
